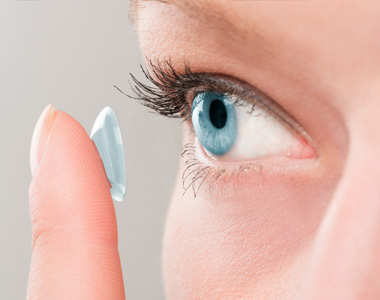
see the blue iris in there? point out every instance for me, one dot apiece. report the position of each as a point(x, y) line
point(214, 122)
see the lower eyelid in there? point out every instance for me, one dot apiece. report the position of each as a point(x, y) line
point(267, 163)
point(202, 171)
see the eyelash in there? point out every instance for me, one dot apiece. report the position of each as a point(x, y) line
point(196, 173)
point(169, 97)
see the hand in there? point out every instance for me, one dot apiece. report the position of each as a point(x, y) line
point(74, 245)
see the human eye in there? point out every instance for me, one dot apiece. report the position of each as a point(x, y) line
point(233, 123)
point(233, 132)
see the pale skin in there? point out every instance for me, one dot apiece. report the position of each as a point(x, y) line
point(306, 229)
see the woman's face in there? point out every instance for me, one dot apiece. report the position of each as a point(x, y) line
point(293, 210)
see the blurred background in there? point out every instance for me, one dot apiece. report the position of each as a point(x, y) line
point(71, 54)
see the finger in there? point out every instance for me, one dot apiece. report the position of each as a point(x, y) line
point(74, 245)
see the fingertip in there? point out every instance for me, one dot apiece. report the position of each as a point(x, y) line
point(73, 219)
point(70, 188)
point(40, 136)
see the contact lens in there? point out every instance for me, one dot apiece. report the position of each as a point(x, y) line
point(214, 122)
point(107, 138)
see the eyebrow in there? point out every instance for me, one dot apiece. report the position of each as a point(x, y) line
point(208, 12)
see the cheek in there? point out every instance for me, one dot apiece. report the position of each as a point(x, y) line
point(250, 241)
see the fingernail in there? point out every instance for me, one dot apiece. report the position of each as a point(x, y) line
point(107, 138)
point(40, 136)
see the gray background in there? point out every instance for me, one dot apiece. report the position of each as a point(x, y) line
point(70, 54)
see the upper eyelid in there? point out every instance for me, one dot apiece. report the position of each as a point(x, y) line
point(242, 93)
point(172, 89)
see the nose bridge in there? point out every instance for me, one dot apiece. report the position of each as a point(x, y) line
point(345, 262)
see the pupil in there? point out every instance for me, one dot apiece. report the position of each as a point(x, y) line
point(218, 113)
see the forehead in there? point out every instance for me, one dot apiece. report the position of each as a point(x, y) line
point(212, 12)
point(319, 40)
point(345, 24)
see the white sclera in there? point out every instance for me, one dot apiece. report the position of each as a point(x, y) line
point(261, 135)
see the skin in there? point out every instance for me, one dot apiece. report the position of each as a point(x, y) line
point(74, 243)
point(288, 228)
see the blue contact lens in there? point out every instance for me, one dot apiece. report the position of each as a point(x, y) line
point(214, 122)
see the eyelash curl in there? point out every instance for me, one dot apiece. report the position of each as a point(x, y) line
point(167, 95)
